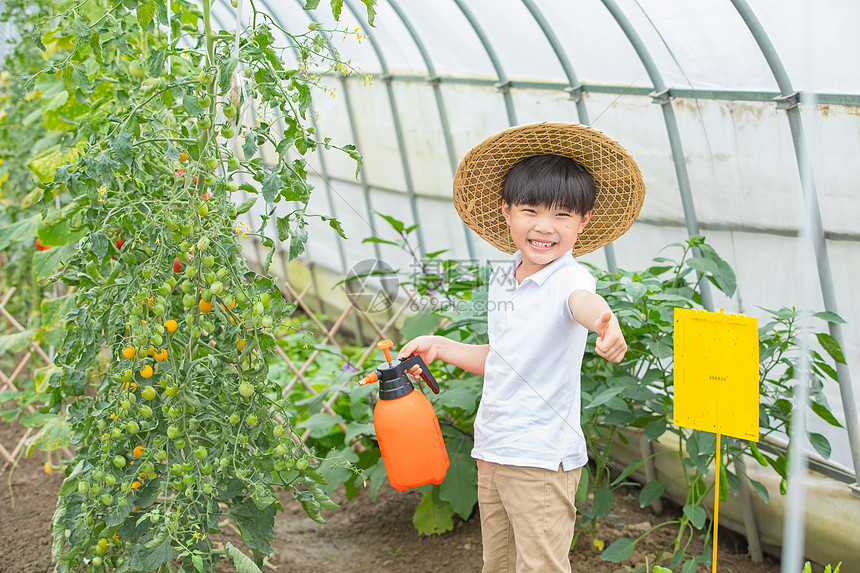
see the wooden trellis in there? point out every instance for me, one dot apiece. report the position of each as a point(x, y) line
point(8, 382)
point(328, 334)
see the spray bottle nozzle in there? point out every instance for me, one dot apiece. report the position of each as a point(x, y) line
point(393, 374)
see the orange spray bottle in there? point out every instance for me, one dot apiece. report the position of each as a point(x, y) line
point(407, 429)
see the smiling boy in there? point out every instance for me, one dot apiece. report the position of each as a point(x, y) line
point(543, 192)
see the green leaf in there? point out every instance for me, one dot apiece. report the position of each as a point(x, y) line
point(246, 205)
point(423, 322)
point(829, 344)
point(605, 396)
point(311, 4)
point(143, 559)
point(189, 102)
point(659, 349)
point(371, 12)
point(18, 231)
point(760, 490)
point(635, 290)
point(272, 183)
point(241, 562)
point(631, 467)
point(282, 224)
point(460, 396)
point(604, 499)
point(824, 414)
point(336, 6)
point(54, 435)
point(821, 444)
point(661, 569)
point(620, 550)
point(830, 317)
point(45, 263)
point(298, 238)
point(197, 561)
point(690, 566)
point(459, 488)
point(12, 343)
point(255, 525)
point(321, 424)
point(145, 12)
point(696, 514)
point(396, 224)
point(430, 518)
point(655, 428)
point(651, 492)
point(249, 147)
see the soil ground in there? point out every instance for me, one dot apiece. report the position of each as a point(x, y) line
point(363, 536)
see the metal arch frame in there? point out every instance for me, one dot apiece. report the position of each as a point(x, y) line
point(433, 79)
point(504, 84)
point(662, 95)
point(789, 100)
point(362, 177)
point(575, 92)
point(398, 130)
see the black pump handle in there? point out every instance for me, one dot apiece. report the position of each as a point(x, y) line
point(415, 360)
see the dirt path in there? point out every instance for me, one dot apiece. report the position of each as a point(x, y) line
point(362, 537)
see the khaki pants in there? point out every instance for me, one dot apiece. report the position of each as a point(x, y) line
point(527, 517)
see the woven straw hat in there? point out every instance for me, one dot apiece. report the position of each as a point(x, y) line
point(618, 182)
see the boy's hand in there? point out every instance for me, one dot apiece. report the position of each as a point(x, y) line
point(428, 347)
point(610, 341)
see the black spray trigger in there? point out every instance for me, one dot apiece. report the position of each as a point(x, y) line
point(415, 360)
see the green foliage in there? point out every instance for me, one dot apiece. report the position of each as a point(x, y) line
point(120, 130)
point(634, 394)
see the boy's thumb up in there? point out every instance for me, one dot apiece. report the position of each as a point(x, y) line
point(603, 323)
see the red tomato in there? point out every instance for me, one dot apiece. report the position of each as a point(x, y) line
point(205, 195)
point(119, 242)
point(40, 246)
point(177, 265)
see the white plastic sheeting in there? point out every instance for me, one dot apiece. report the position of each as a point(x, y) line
point(738, 148)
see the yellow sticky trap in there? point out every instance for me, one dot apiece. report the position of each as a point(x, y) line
point(716, 373)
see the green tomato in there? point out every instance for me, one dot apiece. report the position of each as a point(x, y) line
point(107, 499)
point(203, 210)
point(97, 561)
point(227, 132)
point(191, 270)
point(207, 488)
point(132, 427)
point(146, 273)
point(149, 393)
point(110, 480)
point(171, 390)
point(116, 433)
point(230, 111)
point(216, 287)
point(301, 464)
point(172, 431)
point(83, 487)
point(232, 186)
point(251, 420)
point(281, 450)
point(101, 425)
point(188, 479)
point(233, 163)
point(206, 468)
point(137, 69)
point(146, 411)
point(200, 452)
point(209, 262)
point(278, 431)
point(223, 463)
point(119, 461)
point(234, 418)
point(246, 389)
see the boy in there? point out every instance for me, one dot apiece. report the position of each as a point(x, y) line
point(560, 190)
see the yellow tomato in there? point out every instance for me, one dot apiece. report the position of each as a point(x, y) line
point(147, 371)
point(129, 352)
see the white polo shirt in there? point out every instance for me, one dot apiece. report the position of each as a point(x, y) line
point(530, 407)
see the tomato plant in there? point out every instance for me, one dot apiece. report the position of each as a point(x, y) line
point(180, 427)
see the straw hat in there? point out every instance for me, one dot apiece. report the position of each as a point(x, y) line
point(481, 175)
